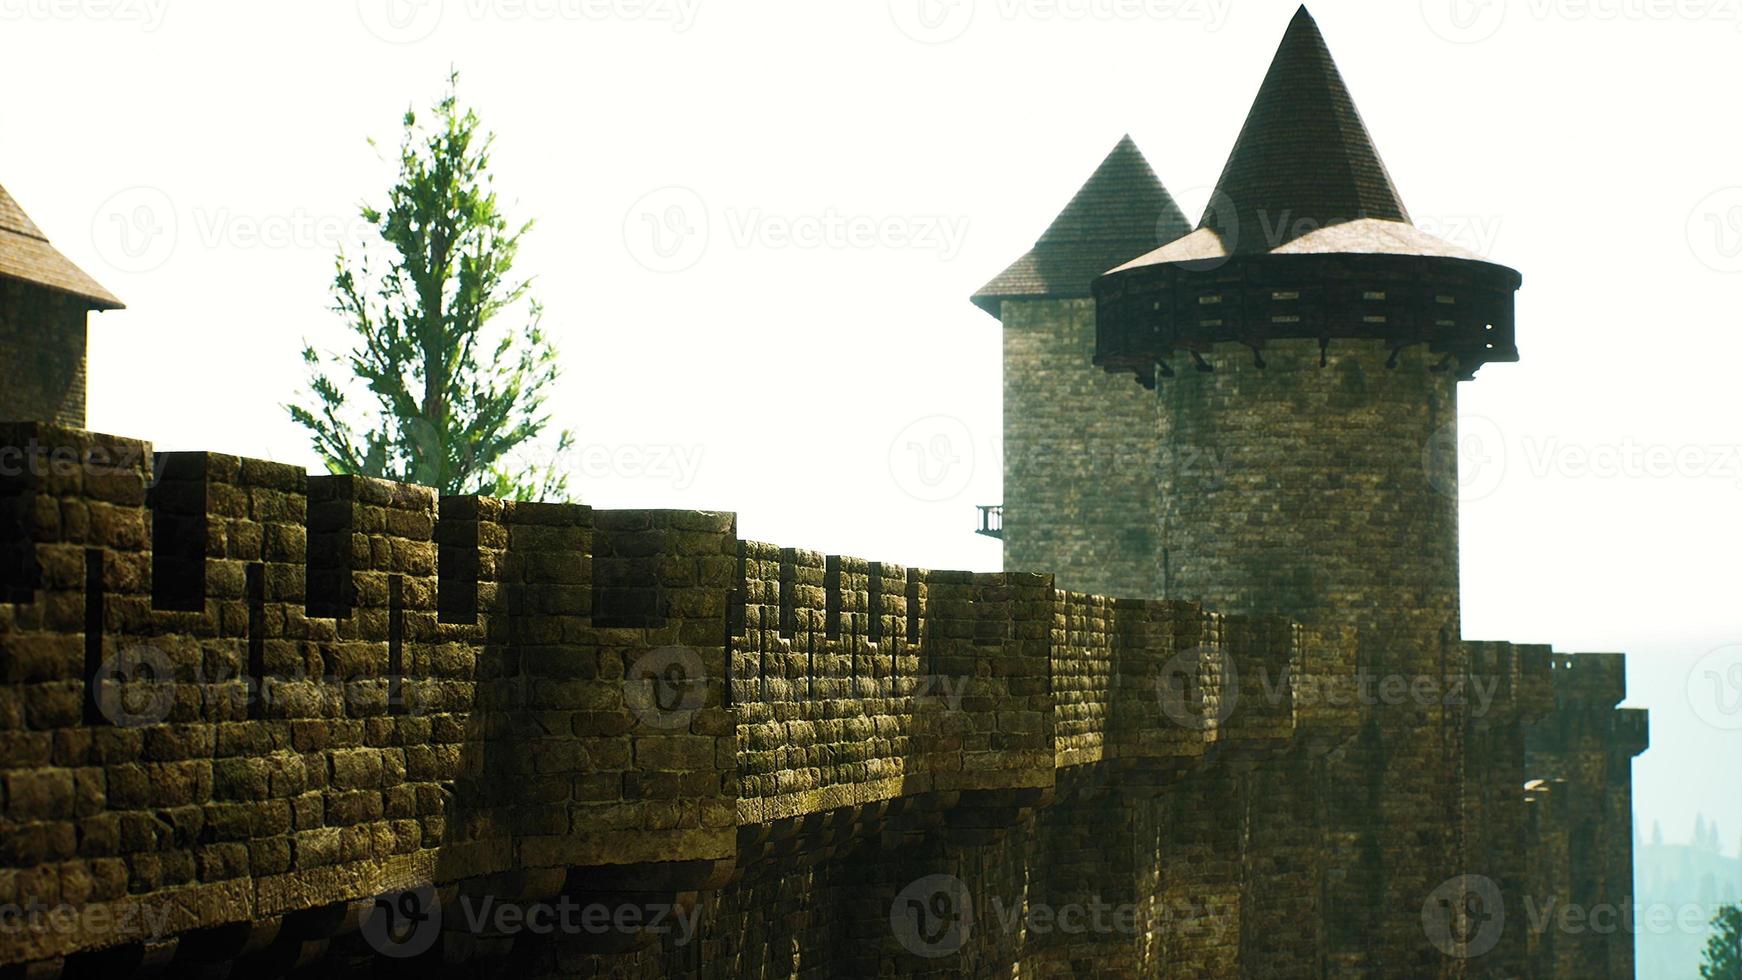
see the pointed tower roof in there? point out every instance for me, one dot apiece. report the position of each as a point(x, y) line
point(1304, 158)
point(1306, 237)
point(25, 254)
point(1121, 212)
point(1304, 177)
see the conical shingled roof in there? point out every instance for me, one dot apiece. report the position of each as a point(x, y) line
point(1304, 159)
point(1305, 238)
point(25, 254)
point(1121, 212)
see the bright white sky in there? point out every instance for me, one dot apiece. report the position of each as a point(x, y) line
point(1592, 145)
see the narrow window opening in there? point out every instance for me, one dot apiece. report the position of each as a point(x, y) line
point(19, 574)
point(832, 596)
point(912, 605)
point(330, 589)
point(256, 586)
point(179, 531)
point(874, 603)
point(93, 635)
point(736, 621)
point(788, 593)
point(396, 645)
point(457, 562)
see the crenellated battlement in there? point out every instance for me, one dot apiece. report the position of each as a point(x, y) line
point(1595, 679)
point(237, 695)
point(236, 691)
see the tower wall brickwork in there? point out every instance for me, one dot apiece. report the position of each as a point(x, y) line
point(1320, 492)
point(42, 354)
point(1079, 456)
point(1314, 492)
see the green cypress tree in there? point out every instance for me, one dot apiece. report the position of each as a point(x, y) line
point(455, 388)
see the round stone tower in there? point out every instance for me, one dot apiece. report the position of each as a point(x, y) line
point(1306, 342)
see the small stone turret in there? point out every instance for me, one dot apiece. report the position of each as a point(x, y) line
point(1079, 446)
point(44, 299)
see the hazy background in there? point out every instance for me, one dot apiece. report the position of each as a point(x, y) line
point(204, 158)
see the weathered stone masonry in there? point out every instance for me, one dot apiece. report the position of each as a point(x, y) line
point(1080, 455)
point(1297, 358)
point(258, 723)
point(478, 696)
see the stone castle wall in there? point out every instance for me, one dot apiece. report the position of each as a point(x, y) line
point(1581, 810)
point(240, 703)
